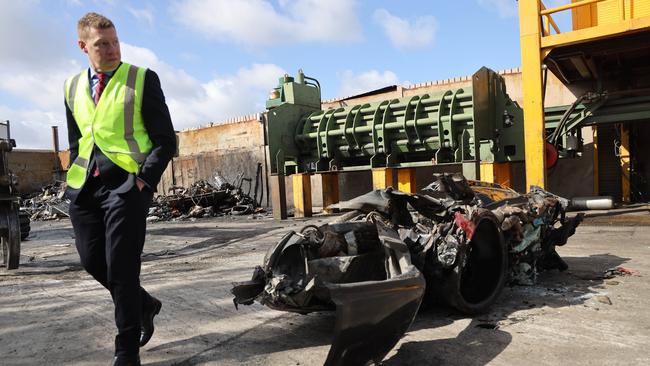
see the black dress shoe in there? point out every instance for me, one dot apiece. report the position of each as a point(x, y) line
point(126, 361)
point(147, 320)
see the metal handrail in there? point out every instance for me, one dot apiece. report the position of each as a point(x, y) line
point(568, 6)
point(548, 21)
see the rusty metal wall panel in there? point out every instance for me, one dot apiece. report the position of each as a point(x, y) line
point(229, 163)
point(240, 135)
point(34, 168)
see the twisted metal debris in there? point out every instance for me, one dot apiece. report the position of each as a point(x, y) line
point(201, 199)
point(208, 199)
point(458, 242)
point(49, 204)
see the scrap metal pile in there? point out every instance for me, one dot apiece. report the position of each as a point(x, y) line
point(205, 199)
point(49, 204)
point(201, 199)
point(459, 242)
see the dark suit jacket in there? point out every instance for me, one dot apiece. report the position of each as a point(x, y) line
point(157, 121)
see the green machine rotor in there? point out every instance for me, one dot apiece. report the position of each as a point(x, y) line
point(464, 125)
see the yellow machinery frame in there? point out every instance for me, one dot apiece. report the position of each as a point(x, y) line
point(540, 34)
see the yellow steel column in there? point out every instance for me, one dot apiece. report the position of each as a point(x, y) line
point(330, 185)
point(302, 195)
point(531, 74)
point(487, 172)
point(625, 163)
point(500, 173)
point(406, 180)
point(382, 178)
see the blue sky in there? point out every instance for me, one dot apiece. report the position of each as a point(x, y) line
point(217, 59)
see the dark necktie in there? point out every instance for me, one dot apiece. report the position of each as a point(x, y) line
point(99, 88)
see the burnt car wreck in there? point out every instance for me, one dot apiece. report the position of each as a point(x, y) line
point(459, 242)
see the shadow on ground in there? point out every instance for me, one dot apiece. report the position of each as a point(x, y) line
point(484, 338)
point(282, 333)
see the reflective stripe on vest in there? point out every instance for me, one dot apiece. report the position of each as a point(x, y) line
point(115, 124)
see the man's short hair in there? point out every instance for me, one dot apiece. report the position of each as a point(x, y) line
point(92, 20)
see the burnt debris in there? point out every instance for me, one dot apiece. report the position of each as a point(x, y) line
point(208, 199)
point(464, 239)
point(49, 204)
point(203, 198)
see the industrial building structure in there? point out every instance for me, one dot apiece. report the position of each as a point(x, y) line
point(601, 62)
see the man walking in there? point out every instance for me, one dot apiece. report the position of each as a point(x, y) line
point(121, 139)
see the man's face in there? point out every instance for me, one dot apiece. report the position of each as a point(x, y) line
point(102, 48)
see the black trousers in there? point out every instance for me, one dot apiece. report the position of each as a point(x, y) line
point(109, 234)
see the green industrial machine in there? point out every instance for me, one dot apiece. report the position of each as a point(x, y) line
point(469, 125)
point(456, 126)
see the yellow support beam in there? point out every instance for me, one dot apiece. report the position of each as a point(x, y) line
point(382, 178)
point(330, 185)
point(626, 193)
point(531, 65)
point(593, 33)
point(500, 173)
point(302, 195)
point(406, 180)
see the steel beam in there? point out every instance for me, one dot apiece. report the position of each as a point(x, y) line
point(500, 173)
point(302, 195)
point(531, 57)
point(382, 178)
point(278, 197)
point(406, 180)
point(593, 33)
point(330, 186)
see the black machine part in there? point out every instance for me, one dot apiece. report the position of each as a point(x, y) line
point(10, 232)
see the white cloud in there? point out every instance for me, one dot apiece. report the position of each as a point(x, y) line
point(258, 22)
point(33, 67)
point(193, 103)
point(43, 88)
point(505, 8)
point(352, 84)
point(31, 85)
point(24, 39)
point(228, 96)
point(143, 15)
point(31, 128)
point(404, 34)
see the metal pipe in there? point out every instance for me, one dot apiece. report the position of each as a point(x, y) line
point(465, 117)
point(567, 6)
point(592, 203)
point(55, 138)
point(430, 104)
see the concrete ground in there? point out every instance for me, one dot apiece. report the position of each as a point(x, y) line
point(53, 313)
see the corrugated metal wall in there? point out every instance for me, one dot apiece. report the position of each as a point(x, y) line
point(608, 12)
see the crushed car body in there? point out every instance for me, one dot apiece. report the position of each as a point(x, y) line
point(458, 242)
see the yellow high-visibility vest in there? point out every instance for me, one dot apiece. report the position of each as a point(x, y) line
point(115, 124)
